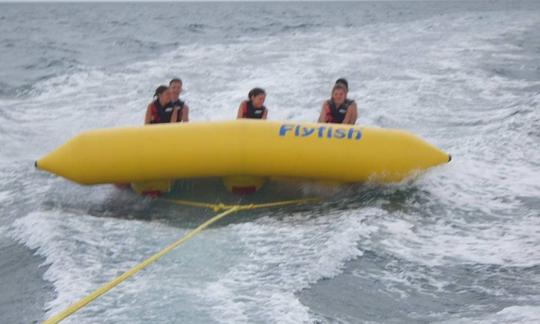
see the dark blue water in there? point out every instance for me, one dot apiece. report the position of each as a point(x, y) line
point(458, 244)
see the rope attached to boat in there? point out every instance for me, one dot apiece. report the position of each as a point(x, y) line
point(220, 206)
point(228, 209)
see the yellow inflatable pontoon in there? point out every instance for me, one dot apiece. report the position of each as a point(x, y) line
point(240, 148)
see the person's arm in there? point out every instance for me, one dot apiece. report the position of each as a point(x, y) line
point(323, 116)
point(148, 116)
point(351, 115)
point(174, 115)
point(265, 113)
point(241, 110)
point(355, 113)
point(185, 114)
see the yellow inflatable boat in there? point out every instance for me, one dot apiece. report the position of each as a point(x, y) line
point(240, 151)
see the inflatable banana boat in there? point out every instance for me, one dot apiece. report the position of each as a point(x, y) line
point(240, 151)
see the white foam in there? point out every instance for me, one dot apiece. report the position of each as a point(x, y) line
point(516, 314)
point(528, 314)
point(460, 241)
point(83, 252)
point(282, 257)
point(6, 196)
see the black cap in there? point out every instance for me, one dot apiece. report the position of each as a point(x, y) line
point(343, 81)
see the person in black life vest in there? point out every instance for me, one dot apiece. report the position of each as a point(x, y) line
point(253, 107)
point(159, 111)
point(338, 109)
point(181, 110)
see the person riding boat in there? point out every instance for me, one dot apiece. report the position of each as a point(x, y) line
point(253, 108)
point(159, 111)
point(339, 109)
point(181, 109)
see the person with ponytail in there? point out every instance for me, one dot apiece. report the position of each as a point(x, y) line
point(159, 111)
point(253, 108)
point(338, 109)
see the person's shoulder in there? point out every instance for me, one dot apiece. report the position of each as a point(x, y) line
point(326, 104)
point(180, 104)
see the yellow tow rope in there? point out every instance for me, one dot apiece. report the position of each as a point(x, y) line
point(218, 207)
point(229, 209)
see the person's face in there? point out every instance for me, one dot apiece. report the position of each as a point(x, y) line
point(258, 100)
point(339, 96)
point(176, 89)
point(165, 96)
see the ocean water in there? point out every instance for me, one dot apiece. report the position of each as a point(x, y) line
point(457, 244)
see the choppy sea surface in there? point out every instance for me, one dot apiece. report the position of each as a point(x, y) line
point(457, 244)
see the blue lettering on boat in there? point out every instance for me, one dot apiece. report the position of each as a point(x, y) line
point(319, 132)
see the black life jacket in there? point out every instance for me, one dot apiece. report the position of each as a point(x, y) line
point(338, 113)
point(252, 112)
point(162, 114)
point(179, 105)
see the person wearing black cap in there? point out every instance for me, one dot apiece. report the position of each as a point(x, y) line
point(344, 82)
point(338, 109)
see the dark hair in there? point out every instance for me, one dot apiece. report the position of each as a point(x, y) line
point(344, 82)
point(175, 80)
point(255, 92)
point(160, 90)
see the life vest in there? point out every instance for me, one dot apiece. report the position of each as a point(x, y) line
point(338, 113)
point(160, 114)
point(252, 112)
point(179, 105)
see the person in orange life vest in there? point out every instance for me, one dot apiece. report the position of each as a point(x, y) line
point(159, 111)
point(253, 107)
point(181, 110)
point(338, 109)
